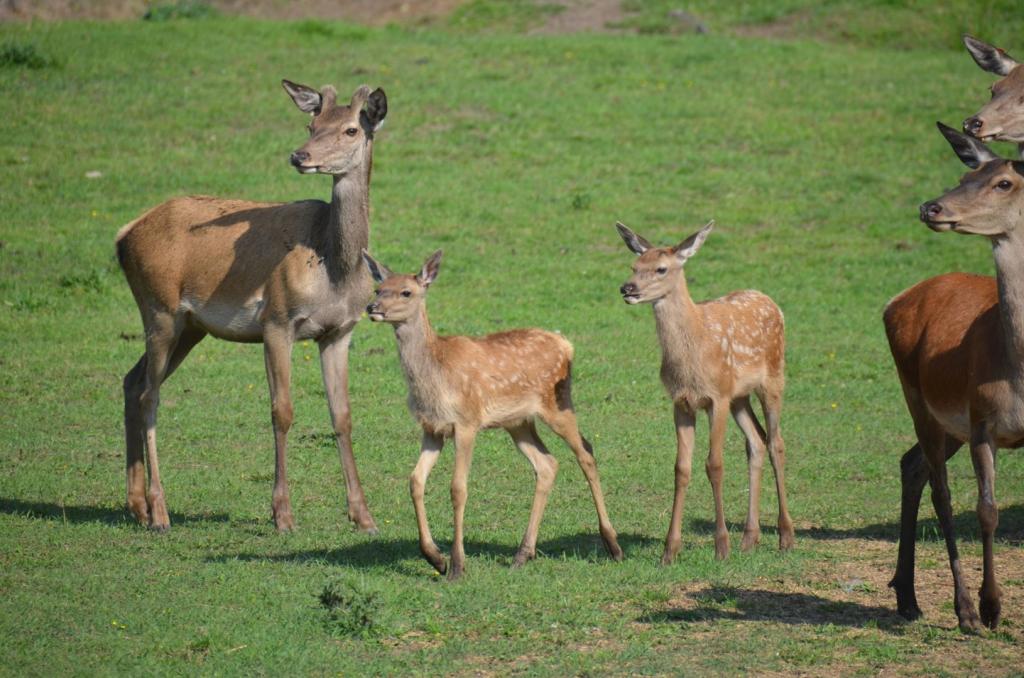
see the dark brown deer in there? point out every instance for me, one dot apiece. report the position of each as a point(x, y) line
point(459, 385)
point(714, 354)
point(257, 272)
point(958, 344)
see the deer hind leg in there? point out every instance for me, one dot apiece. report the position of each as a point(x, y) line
point(715, 470)
point(162, 333)
point(747, 421)
point(983, 457)
point(334, 367)
point(464, 439)
point(277, 349)
point(562, 420)
point(430, 451)
point(134, 426)
point(545, 468)
point(771, 402)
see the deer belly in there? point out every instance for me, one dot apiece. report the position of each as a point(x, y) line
point(235, 323)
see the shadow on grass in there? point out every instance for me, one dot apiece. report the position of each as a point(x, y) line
point(93, 514)
point(1009, 532)
point(399, 552)
point(716, 603)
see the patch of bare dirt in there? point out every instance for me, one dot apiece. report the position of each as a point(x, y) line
point(787, 27)
point(369, 12)
point(582, 16)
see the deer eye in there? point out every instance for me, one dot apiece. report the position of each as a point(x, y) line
point(1004, 185)
point(406, 293)
point(352, 131)
point(661, 270)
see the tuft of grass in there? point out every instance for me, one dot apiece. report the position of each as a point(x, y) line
point(24, 55)
point(180, 9)
point(351, 609)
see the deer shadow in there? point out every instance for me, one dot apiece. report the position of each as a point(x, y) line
point(400, 554)
point(93, 514)
point(716, 603)
point(1010, 531)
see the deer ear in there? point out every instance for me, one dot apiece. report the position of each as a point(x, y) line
point(989, 57)
point(306, 98)
point(376, 109)
point(636, 244)
point(379, 271)
point(971, 152)
point(689, 247)
point(431, 267)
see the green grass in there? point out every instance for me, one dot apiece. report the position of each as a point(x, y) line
point(516, 155)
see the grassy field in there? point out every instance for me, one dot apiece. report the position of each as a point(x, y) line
point(516, 155)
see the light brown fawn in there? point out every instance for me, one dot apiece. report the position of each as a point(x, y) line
point(459, 385)
point(713, 356)
point(1002, 118)
point(257, 272)
point(958, 344)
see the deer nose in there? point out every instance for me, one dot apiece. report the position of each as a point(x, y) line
point(370, 308)
point(973, 125)
point(628, 288)
point(298, 158)
point(930, 211)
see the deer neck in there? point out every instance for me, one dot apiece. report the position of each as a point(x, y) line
point(680, 331)
point(349, 229)
point(417, 345)
point(1008, 252)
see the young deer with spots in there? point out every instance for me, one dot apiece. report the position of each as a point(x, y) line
point(459, 385)
point(714, 354)
point(1002, 118)
point(958, 344)
point(257, 272)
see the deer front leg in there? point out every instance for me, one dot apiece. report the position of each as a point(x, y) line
point(685, 427)
point(464, 439)
point(277, 352)
point(983, 458)
point(962, 603)
point(334, 368)
point(430, 451)
point(752, 431)
point(714, 469)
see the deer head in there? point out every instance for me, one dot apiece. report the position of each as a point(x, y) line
point(1003, 116)
point(400, 297)
point(657, 271)
point(339, 135)
point(989, 199)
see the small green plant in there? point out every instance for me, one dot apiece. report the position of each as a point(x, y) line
point(181, 9)
point(352, 609)
point(14, 55)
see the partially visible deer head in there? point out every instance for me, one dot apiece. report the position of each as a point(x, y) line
point(399, 297)
point(989, 199)
point(657, 270)
point(339, 135)
point(1002, 117)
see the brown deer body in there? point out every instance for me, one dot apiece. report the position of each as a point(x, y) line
point(257, 272)
point(958, 344)
point(715, 354)
point(1002, 118)
point(459, 385)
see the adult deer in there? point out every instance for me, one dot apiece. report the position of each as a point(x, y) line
point(257, 272)
point(1002, 118)
point(713, 356)
point(459, 385)
point(958, 344)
